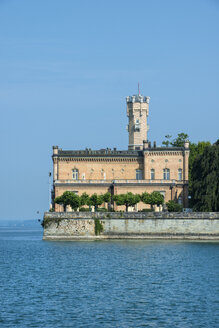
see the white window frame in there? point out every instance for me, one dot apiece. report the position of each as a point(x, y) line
point(166, 174)
point(75, 174)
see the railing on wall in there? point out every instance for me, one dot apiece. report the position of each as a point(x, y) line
point(128, 181)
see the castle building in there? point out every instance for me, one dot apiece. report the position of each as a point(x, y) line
point(144, 167)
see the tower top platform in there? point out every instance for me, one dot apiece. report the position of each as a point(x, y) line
point(138, 98)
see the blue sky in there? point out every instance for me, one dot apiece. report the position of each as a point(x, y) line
point(67, 66)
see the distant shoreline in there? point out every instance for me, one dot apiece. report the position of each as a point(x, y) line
point(20, 223)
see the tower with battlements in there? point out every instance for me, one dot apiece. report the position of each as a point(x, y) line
point(137, 112)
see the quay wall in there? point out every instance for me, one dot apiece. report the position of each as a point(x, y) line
point(130, 225)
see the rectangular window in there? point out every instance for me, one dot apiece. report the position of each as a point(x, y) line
point(152, 174)
point(166, 174)
point(75, 174)
point(180, 174)
point(138, 174)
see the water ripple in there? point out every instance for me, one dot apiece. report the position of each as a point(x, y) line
point(107, 284)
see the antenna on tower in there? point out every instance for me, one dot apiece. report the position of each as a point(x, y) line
point(138, 89)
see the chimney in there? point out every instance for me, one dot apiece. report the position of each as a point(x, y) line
point(145, 144)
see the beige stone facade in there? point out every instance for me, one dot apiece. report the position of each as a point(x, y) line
point(137, 112)
point(144, 167)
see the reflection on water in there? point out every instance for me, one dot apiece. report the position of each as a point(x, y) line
point(106, 283)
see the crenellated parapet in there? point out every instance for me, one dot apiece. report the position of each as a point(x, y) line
point(137, 98)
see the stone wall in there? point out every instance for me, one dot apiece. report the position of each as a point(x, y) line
point(81, 225)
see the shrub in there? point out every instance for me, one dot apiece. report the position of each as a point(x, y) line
point(147, 210)
point(84, 209)
point(173, 206)
point(98, 227)
point(102, 209)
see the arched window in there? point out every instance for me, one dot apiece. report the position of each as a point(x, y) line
point(180, 174)
point(152, 174)
point(138, 174)
point(137, 125)
point(75, 174)
point(166, 174)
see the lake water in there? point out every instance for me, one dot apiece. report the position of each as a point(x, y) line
point(107, 283)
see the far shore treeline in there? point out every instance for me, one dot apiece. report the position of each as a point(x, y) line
point(203, 184)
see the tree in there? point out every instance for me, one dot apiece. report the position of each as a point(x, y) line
point(195, 151)
point(74, 201)
point(59, 200)
point(146, 198)
point(64, 199)
point(155, 198)
point(179, 140)
point(167, 141)
point(205, 181)
point(68, 198)
point(107, 197)
point(128, 199)
point(96, 200)
point(119, 199)
point(84, 199)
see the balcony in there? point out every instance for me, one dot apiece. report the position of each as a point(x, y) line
point(119, 181)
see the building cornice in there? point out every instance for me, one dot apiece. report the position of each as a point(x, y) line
point(82, 184)
point(164, 153)
point(115, 155)
point(100, 159)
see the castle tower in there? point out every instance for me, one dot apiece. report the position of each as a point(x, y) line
point(137, 112)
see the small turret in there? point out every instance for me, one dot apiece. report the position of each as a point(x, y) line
point(55, 162)
point(186, 144)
